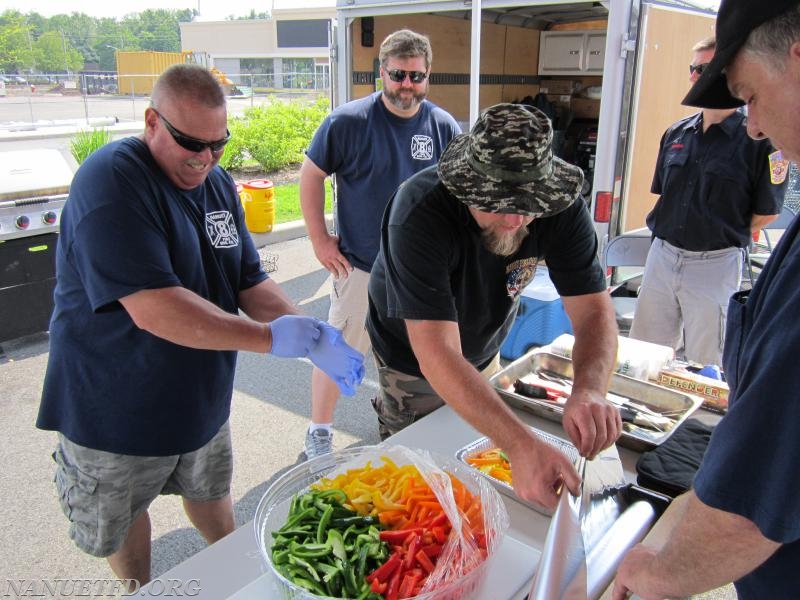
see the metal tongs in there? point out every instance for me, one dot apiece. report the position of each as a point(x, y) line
point(632, 412)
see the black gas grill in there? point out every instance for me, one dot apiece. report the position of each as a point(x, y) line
point(33, 190)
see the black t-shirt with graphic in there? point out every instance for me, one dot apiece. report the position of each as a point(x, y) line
point(432, 265)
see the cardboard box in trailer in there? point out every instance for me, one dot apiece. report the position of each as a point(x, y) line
point(615, 71)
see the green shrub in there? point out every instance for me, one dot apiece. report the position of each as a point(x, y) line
point(274, 134)
point(86, 142)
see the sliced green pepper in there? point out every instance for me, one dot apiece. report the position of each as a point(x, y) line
point(337, 544)
point(304, 514)
point(356, 520)
point(324, 520)
point(310, 550)
point(301, 562)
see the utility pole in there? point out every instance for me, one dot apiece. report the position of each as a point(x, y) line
point(64, 46)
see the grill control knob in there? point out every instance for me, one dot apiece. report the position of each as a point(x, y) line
point(22, 222)
point(49, 217)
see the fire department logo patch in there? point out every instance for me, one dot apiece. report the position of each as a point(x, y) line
point(421, 147)
point(778, 167)
point(221, 229)
point(520, 274)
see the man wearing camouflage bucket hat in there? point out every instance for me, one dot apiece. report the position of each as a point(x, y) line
point(740, 522)
point(459, 243)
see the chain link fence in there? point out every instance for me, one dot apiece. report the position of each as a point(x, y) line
point(98, 96)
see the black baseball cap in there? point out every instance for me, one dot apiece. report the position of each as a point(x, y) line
point(735, 20)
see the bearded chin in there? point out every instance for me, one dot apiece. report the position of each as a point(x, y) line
point(503, 244)
point(403, 103)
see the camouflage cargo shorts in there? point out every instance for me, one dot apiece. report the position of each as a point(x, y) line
point(404, 399)
point(102, 493)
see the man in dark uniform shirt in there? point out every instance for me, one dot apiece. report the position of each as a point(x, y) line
point(740, 521)
point(717, 186)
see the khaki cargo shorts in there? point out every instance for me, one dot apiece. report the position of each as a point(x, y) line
point(404, 399)
point(349, 306)
point(102, 493)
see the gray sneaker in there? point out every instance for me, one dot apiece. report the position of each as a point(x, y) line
point(318, 442)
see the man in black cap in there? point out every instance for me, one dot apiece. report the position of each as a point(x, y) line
point(459, 243)
point(741, 520)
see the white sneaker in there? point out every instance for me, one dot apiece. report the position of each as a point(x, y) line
point(318, 442)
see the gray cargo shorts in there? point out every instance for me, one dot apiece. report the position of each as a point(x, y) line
point(102, 493)
point(404, 399)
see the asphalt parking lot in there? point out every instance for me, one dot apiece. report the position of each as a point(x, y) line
point(270, 413)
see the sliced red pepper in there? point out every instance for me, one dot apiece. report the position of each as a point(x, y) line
point(412, 550)
point(377, 587)
point(439, 534)
point(407, 586)
point(394, 586)
point(438, 521)
point(424, 561)
point(386, 570)
point(397, 537)
point(432, 550)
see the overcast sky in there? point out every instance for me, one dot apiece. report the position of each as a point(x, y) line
point(209, 9)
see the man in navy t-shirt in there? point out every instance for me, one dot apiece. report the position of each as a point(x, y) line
point(153, 265)
point(370, 145)
point(741, 520)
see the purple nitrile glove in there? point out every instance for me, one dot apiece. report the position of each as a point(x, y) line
point(294, 336)
point(338, 359)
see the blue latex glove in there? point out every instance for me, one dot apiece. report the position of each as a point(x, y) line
point(340, 361)
point(294, 336)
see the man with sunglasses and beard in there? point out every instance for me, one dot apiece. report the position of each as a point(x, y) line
point(369, 146)
point(459, 243)
point(716, 188)
point(153, 265)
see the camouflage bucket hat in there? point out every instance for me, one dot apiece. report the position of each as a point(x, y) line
point(505, 164)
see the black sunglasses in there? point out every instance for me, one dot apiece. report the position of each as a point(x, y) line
point(399, 75)
point(697, 68)
point(193, 144)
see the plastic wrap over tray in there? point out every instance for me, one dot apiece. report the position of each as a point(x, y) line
point(663, 401)
point(485, 443)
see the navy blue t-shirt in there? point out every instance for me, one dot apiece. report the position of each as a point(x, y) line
point(711, 183)
point(433, 266)
point(752, 463)
point(125, 227)
point(371, 151)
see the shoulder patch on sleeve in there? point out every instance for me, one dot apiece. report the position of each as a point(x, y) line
point(778, 167)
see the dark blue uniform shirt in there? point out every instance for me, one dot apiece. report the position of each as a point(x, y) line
point(710, 184)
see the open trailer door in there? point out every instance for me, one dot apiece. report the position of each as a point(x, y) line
point(660, 81)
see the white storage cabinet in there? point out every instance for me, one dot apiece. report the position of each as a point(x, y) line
point(572, 52)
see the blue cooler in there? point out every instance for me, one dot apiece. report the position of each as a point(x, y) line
point(540, 320)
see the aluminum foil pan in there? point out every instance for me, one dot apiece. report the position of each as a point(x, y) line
point(485, 443)
point(663, 401)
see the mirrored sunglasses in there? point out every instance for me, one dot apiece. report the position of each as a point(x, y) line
point(697, 69)
point(399, 75)
point(193, 144)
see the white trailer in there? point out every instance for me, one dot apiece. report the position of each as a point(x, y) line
point(640, 63)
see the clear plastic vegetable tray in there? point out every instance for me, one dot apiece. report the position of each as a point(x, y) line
point(272, 511)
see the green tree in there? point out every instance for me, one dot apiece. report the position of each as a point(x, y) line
point(15, 42)
point(54, 54)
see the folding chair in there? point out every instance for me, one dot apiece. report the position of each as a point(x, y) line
point(757, 254)
point(626, 250)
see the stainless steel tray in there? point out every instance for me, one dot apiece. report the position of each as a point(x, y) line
point(484, 443)
point(673, 403)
